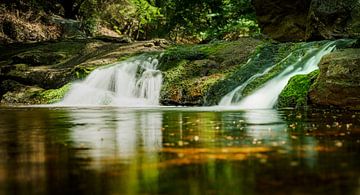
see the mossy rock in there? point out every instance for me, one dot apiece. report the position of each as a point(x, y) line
point(296, 92)
point(191, 71)
point(53, 95)
point(22, 95)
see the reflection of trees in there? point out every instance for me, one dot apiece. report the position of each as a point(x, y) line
point(116, 134)
point(109, 151)
point(23, 149)
point(121, 138)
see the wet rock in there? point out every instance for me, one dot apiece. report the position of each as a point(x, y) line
point(296, 92)
point(338, 83)
point(22, 94)
point(200, 74)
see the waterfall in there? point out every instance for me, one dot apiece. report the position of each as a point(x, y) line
point(266, 96)
point(134, 82)
point(236, 95)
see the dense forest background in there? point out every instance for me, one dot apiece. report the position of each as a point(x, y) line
point(176, 20)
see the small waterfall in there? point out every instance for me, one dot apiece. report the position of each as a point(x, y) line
point(134, 82)
point(266, 96)
point(236, 95)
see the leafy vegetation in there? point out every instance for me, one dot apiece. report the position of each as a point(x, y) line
point(178, 20)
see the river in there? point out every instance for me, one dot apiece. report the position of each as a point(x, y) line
point(176, 150)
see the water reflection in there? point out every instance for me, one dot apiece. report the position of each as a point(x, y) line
point(112, 134)
point(177, 151)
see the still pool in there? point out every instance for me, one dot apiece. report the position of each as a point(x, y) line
point(112, 150)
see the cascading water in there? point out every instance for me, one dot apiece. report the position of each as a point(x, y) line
point(266, 96)
point(236, 94)
point(134, 82)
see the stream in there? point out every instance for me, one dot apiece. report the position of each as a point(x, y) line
point(178, 150)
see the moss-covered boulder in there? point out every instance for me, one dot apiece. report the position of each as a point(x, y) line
point(338, 83)
point(191, 72)
point(296, 92)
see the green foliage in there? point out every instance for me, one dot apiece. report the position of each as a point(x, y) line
point(295, 94)
point(179, 20)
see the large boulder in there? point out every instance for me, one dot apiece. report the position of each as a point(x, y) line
point(338, 83)
point(283, 20)
point(300, 20)
point(331, 19)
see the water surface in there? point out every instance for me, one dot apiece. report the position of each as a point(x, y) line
point(109, 150)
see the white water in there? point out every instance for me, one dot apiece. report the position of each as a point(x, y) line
point(133, 82)
point(266, 96)
point(236, 94)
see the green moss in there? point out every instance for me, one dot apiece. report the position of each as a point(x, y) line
point(261, 59)
point(285, 55)
point(232, 53)
point(191, 71)
point(53, 95)
point(81, 72)
point(295, 94)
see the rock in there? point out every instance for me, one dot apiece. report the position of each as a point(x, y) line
point(202, 74)
point(296, 92)
point(149, 44)
point(332, 19)
point(36, 58)
point(22, 94)
point(15, 29)
point(300, 20)
point(9, 85)
point(338, 83)
point(161, 42)
point(69, 28)
point(122, 39)
point(283, 20)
